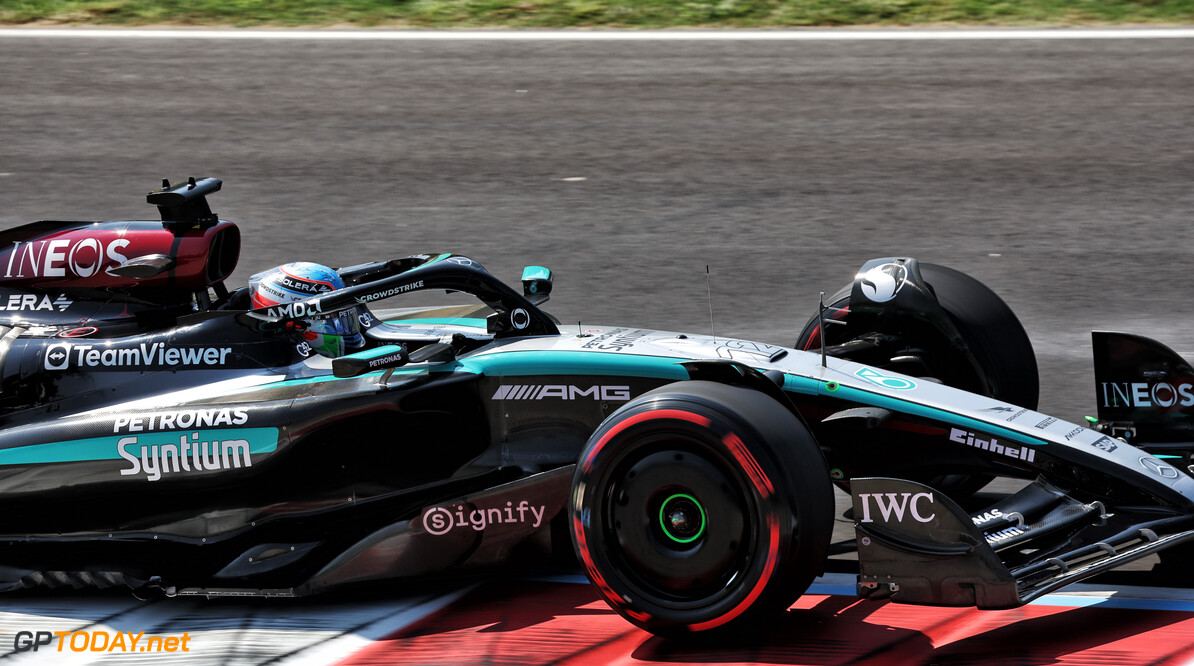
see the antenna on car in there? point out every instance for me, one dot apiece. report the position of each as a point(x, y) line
point(822, 321)
point(709, 291)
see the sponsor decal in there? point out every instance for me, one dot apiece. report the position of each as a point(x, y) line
point(180, 420)
point(81, 332)
point(393, 291)
point(365, 320)
point(389, 358)
point(520, 319)
point(1105, 444)
point(999, 409)
point(1017, 415)
point(747, 350)
point(99, 640)
point(304, 286)
point(615, 339)
point(1004, 534)
point(896, 505)
point(1046, 423)
point(886, 381)
point(882, 283)
point(438, 520)
point(197, 451)
point(987, 517)
point(303, 349)
point(296, 310)
point(972, 439)
point(560, 391)
point(275, 295)
point(1074, 433)
point(62, 356)
point(1142, 394)
point(34, 303)
point(460, 261)
point(83, 257)
point(1159, 468)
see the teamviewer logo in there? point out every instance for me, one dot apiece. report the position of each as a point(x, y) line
point(57, 357)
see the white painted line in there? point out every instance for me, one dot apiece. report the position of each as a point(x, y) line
point(797, 35)
point(348, 643)
point(1076, 595)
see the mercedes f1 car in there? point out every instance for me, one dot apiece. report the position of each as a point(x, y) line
point(161, 431)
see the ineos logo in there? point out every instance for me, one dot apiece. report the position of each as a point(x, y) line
point(56, 258)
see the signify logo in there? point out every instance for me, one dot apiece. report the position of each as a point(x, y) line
point(439, 520)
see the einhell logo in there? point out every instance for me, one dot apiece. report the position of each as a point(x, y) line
point(560, 392)
point(1141, 394)
point(972, 439)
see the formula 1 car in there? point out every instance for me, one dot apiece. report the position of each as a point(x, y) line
point(162, 433)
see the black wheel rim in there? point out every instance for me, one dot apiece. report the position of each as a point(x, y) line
point(679, 521)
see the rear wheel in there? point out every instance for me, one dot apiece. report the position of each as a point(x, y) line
point(701, 507)
point(995, 338)
point(994, 335)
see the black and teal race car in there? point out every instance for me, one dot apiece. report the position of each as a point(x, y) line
point(162, 434)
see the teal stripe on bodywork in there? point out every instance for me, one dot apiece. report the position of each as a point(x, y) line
point(809, 386)
point(374, 353)
point(515, 364)
point(331, 378)
point(261, 440)
point(526, 363)
point(471, 322)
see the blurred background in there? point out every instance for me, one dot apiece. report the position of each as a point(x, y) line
point(1057, 171)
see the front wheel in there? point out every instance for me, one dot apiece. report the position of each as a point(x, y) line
point(701, 507)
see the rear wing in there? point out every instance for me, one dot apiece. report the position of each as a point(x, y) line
point(1144, 389)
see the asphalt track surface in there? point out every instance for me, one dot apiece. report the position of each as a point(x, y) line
point(1058, 172)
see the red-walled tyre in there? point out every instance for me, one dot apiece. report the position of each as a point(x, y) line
point(701, 507)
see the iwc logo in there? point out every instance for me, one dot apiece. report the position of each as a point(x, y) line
point(882, 283)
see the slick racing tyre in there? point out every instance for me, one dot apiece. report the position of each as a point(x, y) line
point(701, 507)
point(990, 329)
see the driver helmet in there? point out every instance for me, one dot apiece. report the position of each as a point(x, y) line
point(333, 334)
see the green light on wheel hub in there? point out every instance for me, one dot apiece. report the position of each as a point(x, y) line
point(682, 518)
